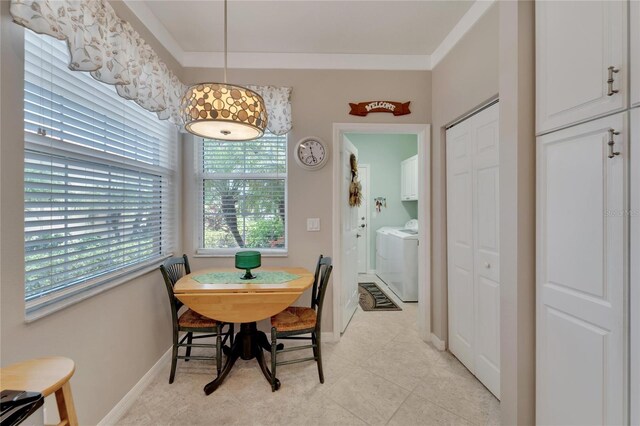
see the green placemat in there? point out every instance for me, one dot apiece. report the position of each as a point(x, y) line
point(262, 277)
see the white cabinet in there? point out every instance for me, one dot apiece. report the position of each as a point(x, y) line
point(634, 291)
point(580, 261)
point(473, 240)
point(409, 179)
point(635, 52)
point(581, 61)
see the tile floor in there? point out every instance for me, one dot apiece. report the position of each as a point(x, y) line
point(379, 373)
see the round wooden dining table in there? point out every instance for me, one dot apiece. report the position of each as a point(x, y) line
point(242, 302)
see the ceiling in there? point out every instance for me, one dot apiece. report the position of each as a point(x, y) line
point(309, 32)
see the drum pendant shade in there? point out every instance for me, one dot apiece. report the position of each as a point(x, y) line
point(223, 111)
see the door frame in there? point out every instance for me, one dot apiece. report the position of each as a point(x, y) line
point(423, 134)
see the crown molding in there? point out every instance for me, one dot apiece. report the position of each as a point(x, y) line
point(159, 31)
point(473, 15)
point(324, 61)
point(318, 61)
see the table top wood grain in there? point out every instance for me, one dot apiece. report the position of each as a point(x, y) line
point(241, 302)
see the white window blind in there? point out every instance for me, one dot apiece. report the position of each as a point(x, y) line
point(244, 194)
point(98, 179)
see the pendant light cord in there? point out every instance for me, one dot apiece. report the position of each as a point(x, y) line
point(225, 41)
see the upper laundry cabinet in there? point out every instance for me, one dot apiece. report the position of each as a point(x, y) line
point(581, 61)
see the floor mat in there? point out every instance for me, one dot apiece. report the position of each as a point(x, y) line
point(374, 299)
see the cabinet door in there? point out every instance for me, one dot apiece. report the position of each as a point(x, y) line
point(635, 52)
point(403, 180)
point(414, 177)
point(581, 274)
point(576, 43)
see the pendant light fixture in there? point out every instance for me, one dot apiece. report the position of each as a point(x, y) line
point(223, 111)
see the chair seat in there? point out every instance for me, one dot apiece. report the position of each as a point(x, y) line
point(194, 320)
point(294, 318)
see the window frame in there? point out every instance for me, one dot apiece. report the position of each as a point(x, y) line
point(199, 179)
point(53, 300)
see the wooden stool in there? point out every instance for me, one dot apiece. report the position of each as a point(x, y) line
point(44, 375)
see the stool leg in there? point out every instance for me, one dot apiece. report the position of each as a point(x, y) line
point(66, 409)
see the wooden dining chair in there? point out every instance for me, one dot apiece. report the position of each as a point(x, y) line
point(296, 321)
point(190, 322)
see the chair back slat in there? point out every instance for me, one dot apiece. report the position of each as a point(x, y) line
point(172, 270)
point(314, 290)
point(325, 267)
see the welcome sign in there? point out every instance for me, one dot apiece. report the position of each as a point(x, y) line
point(363, 108)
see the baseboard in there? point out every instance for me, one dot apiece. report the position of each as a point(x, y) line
point(116, 413)
point(328, 337)
point(439, 344)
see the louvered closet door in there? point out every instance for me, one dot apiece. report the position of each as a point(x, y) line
point(576, 43)
point(581, 274)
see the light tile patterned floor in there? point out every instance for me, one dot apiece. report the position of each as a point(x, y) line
point(379, 373)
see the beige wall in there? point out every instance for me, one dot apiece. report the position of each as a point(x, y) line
point(114, 337)
point(517, 212)
point(465, 79)
point(319, 99)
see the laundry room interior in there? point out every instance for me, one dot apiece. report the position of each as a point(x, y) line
point(388, 215)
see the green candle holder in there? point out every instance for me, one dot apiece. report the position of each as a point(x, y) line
point(248, 260)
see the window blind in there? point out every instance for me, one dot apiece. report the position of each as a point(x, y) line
point(244, 186)
point(98, 179)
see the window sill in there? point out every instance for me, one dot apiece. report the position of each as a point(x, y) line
point(232, 252)
point(37, 309)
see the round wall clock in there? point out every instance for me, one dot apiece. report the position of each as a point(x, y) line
point(311, 153)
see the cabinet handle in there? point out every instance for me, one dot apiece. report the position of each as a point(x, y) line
point(610, 80)
point(611, 143)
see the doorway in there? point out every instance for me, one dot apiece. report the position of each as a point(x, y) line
point(346, 226)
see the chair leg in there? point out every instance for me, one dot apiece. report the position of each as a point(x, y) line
point(174, 357)
point(318, 354)
point(230, 330)
point(219, 348)
point(274, 345)
point(189, 340)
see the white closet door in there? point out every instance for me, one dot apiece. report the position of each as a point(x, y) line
point(486, 244)
point(576, 43)
point(581, 274)
point(634, 169)
point(473, 245)
point(460, 243)
point(635, 52)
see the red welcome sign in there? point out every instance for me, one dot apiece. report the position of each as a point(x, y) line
point(363, 108)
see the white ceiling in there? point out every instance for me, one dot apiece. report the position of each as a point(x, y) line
point(390, 34)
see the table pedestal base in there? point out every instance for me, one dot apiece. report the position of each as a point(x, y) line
point(249, 343)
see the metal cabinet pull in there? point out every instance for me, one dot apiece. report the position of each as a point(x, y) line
point(610, 80)
point(611, 142)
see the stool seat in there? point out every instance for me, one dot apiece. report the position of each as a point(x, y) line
point(45, 375)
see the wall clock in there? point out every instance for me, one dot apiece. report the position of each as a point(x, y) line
point(311, 153)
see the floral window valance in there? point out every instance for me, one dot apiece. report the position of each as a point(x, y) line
point(113, 52)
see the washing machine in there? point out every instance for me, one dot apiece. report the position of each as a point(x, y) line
point(397, 259)
point(383, 267)
point(403, 261)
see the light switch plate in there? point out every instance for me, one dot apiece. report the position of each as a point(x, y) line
point(313, 224)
